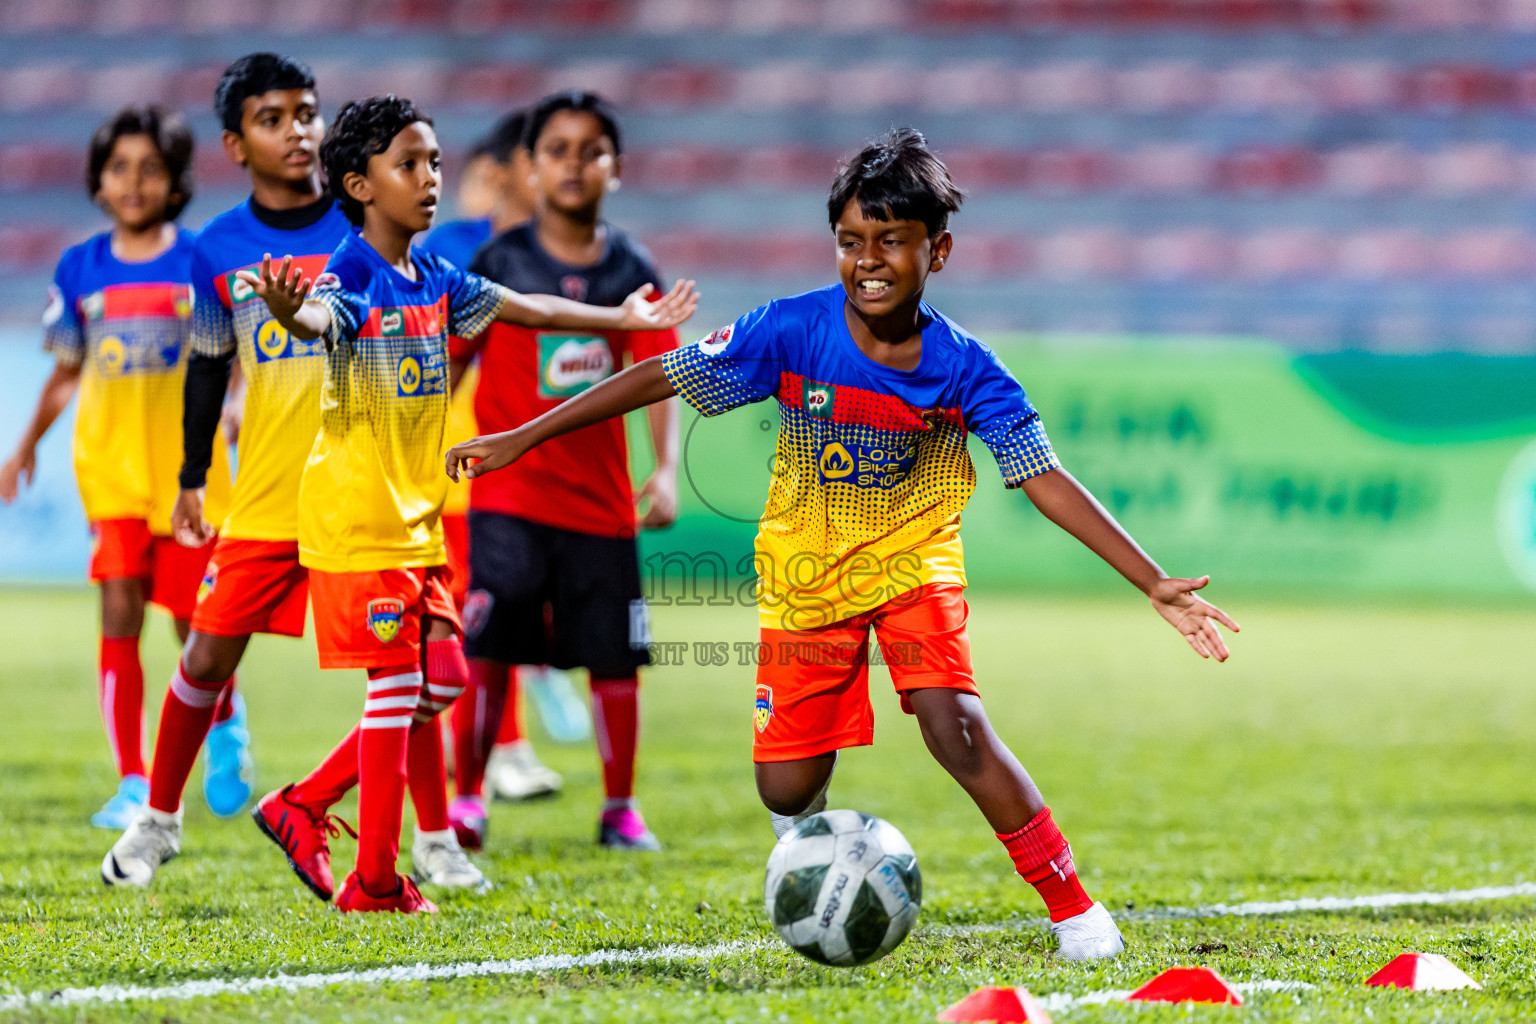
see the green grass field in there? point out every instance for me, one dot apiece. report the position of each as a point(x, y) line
point(1343, 751)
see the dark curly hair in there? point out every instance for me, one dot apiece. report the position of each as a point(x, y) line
point(363, 130)
point(897, 178)
point(253, 75)
point(171, 137)
point(580, 101)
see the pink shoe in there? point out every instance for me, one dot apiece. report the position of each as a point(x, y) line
point(624, 829)
point(467, 817)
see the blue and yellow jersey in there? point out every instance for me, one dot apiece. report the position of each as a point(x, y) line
point(125, 326)
point(282, 400)
point(871, 470)
point(373, 488)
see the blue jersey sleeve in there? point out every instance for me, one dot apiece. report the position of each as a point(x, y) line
point(473, 302)
point(213, 328)
point(735, 366)
point(997, 410)
point(340, 291)
point(62, 334)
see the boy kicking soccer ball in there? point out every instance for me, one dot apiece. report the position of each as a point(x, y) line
point(877, 391)
point(371, 497)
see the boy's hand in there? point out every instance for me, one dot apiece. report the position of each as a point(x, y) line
point(493, 451)
point(188, 526)
point(1192, 615)
point(661, 489)
point(22, 464)
point(640, 314)
point(284, 291)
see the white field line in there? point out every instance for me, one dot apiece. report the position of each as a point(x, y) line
point(203, 988)
point(1060, 1002)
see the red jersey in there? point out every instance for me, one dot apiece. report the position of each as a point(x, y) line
point(579, 481)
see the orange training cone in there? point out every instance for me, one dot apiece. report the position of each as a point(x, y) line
point(1421, 972)
point(999, 1004)
point(1187, 985)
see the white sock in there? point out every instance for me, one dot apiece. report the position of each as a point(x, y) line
point(445, 836)
point(782, 823)
point(161, 817)
point(620, 803)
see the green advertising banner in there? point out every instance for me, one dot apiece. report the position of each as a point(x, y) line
point(1344, 473)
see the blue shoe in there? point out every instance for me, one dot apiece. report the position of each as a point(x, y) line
point(228, 771)
point(565, 715)
point(131, 796)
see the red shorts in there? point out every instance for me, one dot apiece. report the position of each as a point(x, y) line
point(456, 540)
point(375, 619)
point(125, 549)
point(252, 586)
point(813, 687)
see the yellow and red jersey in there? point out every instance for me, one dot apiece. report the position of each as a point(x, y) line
point(125, 326)
point(373, 489)
point(283, 374)
point(871, 470)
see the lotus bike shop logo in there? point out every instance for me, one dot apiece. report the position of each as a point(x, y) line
point(272, 341)
point(836, 463)
point(408, 376)
point(384, 615)
point(111, 356)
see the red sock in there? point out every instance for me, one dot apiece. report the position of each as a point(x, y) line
point(121, 692)
point(427, 777)
point(225, 708)
point(1040, 853)
point(475, 719)
point(616, 721)
point(336, 774)
point(511, 728)
point(184, 720)
point(383, 738)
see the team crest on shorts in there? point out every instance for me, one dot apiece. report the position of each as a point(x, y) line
point(210, 580)
point(477, 611)
point(384, 617)
point(764, 707)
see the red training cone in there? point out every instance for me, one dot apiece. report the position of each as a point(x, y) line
point(999, 1004)
point(1421, 972)
point(1187, 985)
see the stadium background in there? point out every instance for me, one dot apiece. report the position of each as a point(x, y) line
point(1264, 263)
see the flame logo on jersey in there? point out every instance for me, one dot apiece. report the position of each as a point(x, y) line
point(384, 614)
point(111, 356)
point(762, 710)
point(715, 343)
point(836, 463)
point(408, 375)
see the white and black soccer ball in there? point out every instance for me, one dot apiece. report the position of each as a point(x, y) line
point(843, 888)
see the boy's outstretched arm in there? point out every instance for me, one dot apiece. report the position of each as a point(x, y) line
point(1065, 502)
point(284, 293)
point(640, 385)
point(57, 391)
point(637, 313)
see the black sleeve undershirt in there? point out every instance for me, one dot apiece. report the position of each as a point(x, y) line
point(202, 405)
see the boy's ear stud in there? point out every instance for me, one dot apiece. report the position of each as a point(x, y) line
point(613, 184)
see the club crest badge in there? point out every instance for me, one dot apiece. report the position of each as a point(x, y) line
point(384, 614)
point(210, 581)
point(763, 709)
point(477, 611)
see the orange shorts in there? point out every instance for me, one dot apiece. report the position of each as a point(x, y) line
point(125, 549)
point(375, 619)
point(252, 586)
point(813, 687)
point(456, 540)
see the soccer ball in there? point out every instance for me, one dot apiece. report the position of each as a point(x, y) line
point(843, 888)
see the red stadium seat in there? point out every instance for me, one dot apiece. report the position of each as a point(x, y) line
point(1496, 252)
point(982, 85)
point(33, 246)
point(497, 86)
point(1263, 86)
point(1265, 169)
point(1174, 168)
point(679, 86)
point(1063, 86)
point(26, 87)
point(114, 86)
point(1388, 254)
point(777, 86)
point(1162, 86)
point(1360, 85)
point(875, 86)
point(1464, 170)
point(1183, 254)
point(614, 79)
point(1370, 170)
point(680, 168)
point(1288, 252)
point(785, 167)
point(40, 165)
point(1084, 253)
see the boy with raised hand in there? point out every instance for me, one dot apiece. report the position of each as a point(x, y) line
point(254, 582)
point(877, 391)
point(371, 496)
point(116, 325)
point(558, 530)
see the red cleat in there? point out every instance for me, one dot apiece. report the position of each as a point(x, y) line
point(406, 899)
point(305, 837)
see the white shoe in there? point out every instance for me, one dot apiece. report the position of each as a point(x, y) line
point(1091, 935)
point(153, 838)
point(514, 772)
point(438, 859)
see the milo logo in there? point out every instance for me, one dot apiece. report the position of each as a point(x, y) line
point(571, 363)
point(239, 291)
point(819, 399)
point(391, 323)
